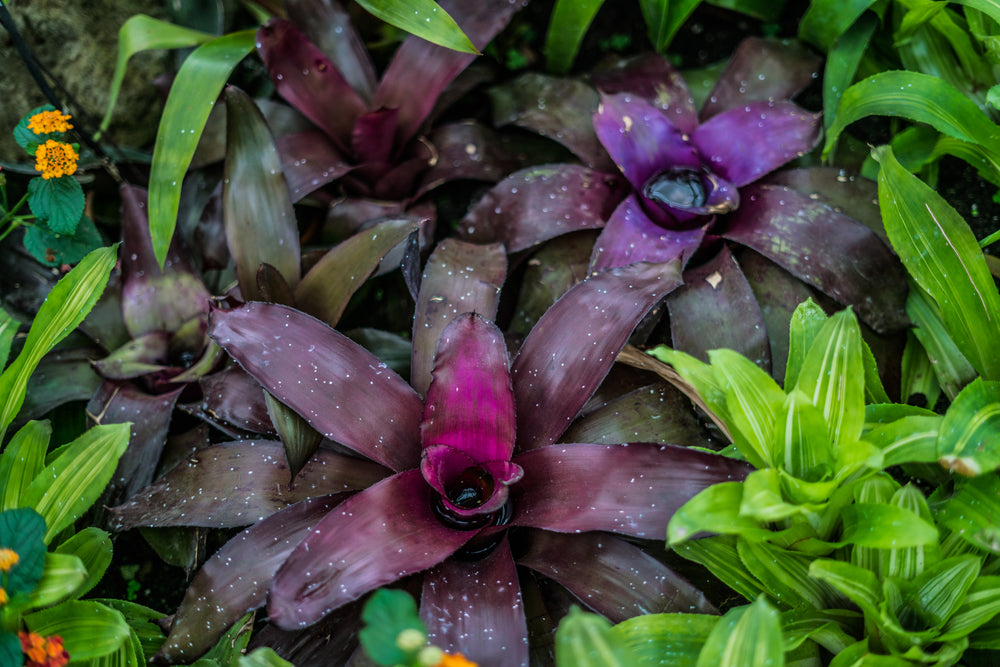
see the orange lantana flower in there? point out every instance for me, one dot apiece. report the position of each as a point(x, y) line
point(43, 651)
point(55, 159)
point(45, 122)
point(455, 660)
point(8, 559)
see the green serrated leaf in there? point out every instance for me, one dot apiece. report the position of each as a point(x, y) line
point(63, 574)
point(93, 547)
point(567, 26)
point(21, 462)
point(58, 202)
point(89, 629)
point(22, 530)
point(749, 635)
point(388, 613)
point(423, 18)
point(585, 640)
point(54, 249)
point(142, 622)
point(969, 438)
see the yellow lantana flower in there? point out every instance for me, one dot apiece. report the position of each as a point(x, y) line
point(8, 559)
point(45, 122)
point(55, 159)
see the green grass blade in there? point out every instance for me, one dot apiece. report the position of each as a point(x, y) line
point(191, 99)
point(842, 63)
point(569, 23)
point(423, 18)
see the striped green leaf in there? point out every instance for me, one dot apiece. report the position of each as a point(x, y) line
point(89, 629)
point(952, 370)
point(974, 512)
point(93, 547)
point(753, 400)
point(969, 439)
point(749, 635)
point(885, 526)
point(423, 18)
point(664, 18)
point(586, 640)
point(23, 459)
point(666, 639)
point(8, 329)
point(62, 575)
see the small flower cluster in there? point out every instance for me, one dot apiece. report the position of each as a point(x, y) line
point(46, 122)
point(42, 651)
point(8, 559)
point(53, 158)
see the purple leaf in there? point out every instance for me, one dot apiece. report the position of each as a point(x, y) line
point(554, 107)
point(341, 389)
point(233, 397)
point(459, 278)
point(629, 489)
point(650, 76)
point(63, 375)
point(142, 355)
point(573, 346)
point(235, 580)
point(334, 565)
point(732, 140)
point(309, 161)
point(838, 255)
point(469, 412)
point(762, 69)
point(331, 641)
point(420, 71)
point(398, 180)
point(540, 203)
point(602, 572)
point(371, 139)
point(154, 300)
point(641, 139)
point(716, 308)
point(630, 237)
point(488, 625)
point(239, 483)
point(260, 222)
point(309, 81)
point(845, 192)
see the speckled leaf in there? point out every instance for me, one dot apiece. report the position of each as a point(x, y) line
point(238, 483)
point(826, 249)
point(233, 397)
point(235, 580)
point(601, 571)
point(332, 281)
point(309, 161)
point(341, 389)
point(539, 203)
point(631, 236)
point(652, 77)
point(489, 626)
point(970, 432)
point(332, 640)
point(574, 344)
point(553, 269)
point(459, 278)
point(629, 489)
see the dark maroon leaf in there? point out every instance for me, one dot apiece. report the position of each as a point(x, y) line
point(235, 580)
point(838, 255)
point(309, 81)
point(350, 215)
point(271, 286)
point(715, 308)
point(762, 69)
point(239, 483)
point(334, 565)
point(603, 572)
point(332, 281)
point(104, 323)
point(233, 397)
point(459, 278)
point(744, 143)
point(652, 77)
point(573, 346)
point(371, 139)
point(341, 389)
point(540, 203)
point(628, 489)
point(142, 355)
point(331, 641)
point(657, 413)
point(154, 300)
point(845, 192)
point(398, 180)
point(118, 402)
point(630, 237)
point(420, 71)
point(554, 107)
point(260, 222)
point(488, 627)
point(309, 161)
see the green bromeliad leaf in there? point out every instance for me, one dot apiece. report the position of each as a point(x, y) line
point(969, 438)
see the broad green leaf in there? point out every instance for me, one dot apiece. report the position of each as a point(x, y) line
point(387, 613)
point(826, 20)
point(842, 61)
point(65, 307)
point(22, 530)
point(670, 640)
point(762, 499)
point(423, 18)
point(143, 33)
point(713, 510)
point(58, 202)
point(718, 554)
point(585, 640)
point(833, 377)
point(89, 629)
point(885, 527)
point(941, 588)
point(974, 512)
point(62, 575)
point(54, 249)
point(567, 26)
point(805, 324)
point(192, 96)
point(262, 657)
point(941, 253)
point(857, 583)
point(981, 603)
point(23, 459)
point(93, 547)
point(969, 438)
point(827, 627)
point(753, 399)
point(72, 483)
point(801, 441)
point(784, 575)
point(142, 622)
point(909, 562)
point(8, 330)
point(952, 370)
point(664, 18)
point(749, 635)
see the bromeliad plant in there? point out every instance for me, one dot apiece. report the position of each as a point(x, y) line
point(470, 480)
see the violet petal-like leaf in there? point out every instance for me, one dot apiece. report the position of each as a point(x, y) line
point(602, 572)
point(239, 483)
point(630, 489)
point(630, 237)
point(834, 253)
point(342, 390)
point(233, 397)
point(539, 203)
point(489, 625)
point(305, 77)
point(394, 519)
point(309, 161)
point(715, 308)
point(574, 344)
point(651, 76)
point(371, 138)
point(744, 143)
point(762, 69)
point(459, 278)
point(235, 579)
point(641, 139)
